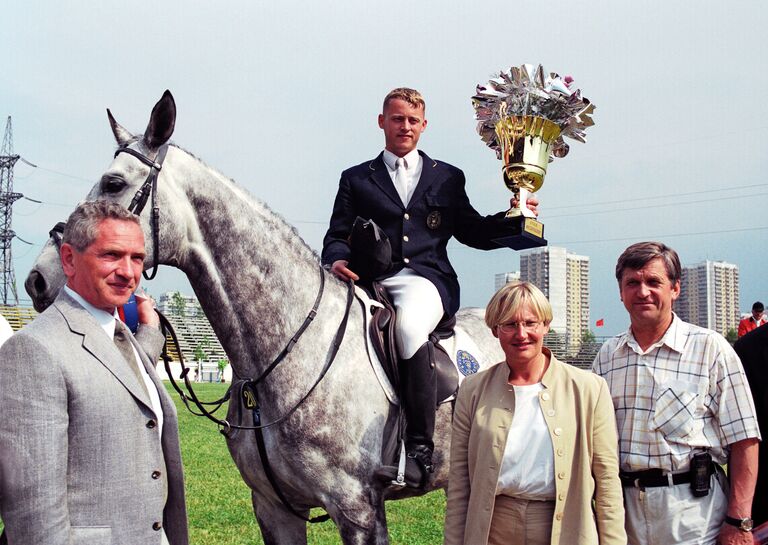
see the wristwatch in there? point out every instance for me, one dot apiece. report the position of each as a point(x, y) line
point(745, 525)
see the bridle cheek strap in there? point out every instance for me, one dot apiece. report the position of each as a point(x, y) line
point(139, 201)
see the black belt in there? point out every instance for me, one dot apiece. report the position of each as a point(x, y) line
point(656, 477)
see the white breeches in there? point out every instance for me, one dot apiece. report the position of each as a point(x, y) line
point(419, 309)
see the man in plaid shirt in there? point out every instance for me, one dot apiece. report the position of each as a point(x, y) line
point(683, 408)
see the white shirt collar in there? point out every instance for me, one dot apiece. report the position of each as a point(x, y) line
point(411, 159)
point(102, 317)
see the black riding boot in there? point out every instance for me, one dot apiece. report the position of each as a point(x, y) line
point(419, 399)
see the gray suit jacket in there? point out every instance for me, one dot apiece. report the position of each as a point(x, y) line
point(81, 461)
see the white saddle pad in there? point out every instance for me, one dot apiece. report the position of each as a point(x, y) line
point(464, 353)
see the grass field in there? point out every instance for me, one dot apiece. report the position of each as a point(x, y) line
point(219, 503)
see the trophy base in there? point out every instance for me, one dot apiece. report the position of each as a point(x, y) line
point(524, 233)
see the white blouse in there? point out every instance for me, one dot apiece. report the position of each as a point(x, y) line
point(528, 466)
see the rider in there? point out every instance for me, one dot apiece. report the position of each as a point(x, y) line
point(420, 203)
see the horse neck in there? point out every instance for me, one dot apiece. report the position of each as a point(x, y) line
point(255, 278)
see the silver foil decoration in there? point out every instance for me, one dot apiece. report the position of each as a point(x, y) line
point(528, 91)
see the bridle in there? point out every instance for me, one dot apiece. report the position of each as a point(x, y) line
point(140, 198)
point(138, 202)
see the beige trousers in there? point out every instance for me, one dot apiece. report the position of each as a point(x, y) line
point(521, 522)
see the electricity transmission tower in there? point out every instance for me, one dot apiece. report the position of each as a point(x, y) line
point(8, 294)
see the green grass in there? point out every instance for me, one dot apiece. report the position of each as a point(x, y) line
point(219, 502)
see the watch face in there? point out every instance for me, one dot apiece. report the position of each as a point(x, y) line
point(746, 525)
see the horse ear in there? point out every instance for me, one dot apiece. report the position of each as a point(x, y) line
point(121, 134)
point(161, 122)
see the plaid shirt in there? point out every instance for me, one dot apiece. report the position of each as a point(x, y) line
point(687, 393)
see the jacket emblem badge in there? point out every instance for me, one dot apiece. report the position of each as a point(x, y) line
point(434, 219)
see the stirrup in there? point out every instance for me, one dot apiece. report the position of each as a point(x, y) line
point(399, 482)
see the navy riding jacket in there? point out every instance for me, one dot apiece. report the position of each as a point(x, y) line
point(418, 233)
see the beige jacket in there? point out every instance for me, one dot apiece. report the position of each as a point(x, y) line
point(579, 413)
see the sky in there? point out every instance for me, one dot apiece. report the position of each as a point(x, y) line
point(282, 96)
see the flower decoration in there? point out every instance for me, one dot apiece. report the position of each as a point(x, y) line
point(528, 91)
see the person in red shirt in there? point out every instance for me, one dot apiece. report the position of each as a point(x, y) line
point(753, 322)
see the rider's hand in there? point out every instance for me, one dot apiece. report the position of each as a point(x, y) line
point(532, 203)
point(340, 270)
point(145, 306)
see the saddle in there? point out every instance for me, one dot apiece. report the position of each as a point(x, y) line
point(382, 334)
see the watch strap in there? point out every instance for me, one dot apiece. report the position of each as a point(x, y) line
point(745, 524)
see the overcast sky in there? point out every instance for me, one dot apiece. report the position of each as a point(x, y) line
point(282, 96)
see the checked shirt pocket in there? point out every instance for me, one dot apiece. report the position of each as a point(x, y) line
point(675, 411)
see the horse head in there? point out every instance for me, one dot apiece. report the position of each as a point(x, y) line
point(125, 182)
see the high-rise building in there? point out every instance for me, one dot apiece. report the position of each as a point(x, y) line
point(564, 279)
point(502, 279)
point(709, 296)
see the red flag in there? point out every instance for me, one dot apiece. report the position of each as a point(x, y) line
point(600, 323)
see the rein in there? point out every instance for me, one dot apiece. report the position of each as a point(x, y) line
point(246, 389)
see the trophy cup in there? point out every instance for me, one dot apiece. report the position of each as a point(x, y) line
point(524, 116)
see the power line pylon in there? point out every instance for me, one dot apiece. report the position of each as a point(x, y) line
point(8, 294)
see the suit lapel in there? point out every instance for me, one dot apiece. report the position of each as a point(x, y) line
point(99, 345)
point(428, 175)
point(380, 176)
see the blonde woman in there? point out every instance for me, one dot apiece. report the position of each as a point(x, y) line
point(534, 447)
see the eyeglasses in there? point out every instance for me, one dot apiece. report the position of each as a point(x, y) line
point(511, 327)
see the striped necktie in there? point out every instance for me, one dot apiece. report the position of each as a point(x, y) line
point(123, 344)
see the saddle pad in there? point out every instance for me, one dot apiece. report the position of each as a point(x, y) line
point(462, 349)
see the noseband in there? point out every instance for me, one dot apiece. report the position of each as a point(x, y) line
point(139, 201)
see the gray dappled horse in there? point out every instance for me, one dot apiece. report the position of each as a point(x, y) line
point(256, 281)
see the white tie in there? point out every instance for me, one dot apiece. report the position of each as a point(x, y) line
point(401, 180)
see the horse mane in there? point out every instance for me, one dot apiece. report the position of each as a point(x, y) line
point(263, 207)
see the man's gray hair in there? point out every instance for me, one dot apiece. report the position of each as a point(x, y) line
point(82, 226)
point(638, 255)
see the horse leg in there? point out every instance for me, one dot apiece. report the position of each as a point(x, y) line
point(278, 525)
point(361, 522)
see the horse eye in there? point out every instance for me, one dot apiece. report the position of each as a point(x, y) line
point(113, 185)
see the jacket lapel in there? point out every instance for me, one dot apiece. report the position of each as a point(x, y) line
point(380, 177)
point(99, 345)
point(428, 176)
point(502, 403)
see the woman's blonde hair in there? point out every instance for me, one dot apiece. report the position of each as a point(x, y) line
point(511, 299)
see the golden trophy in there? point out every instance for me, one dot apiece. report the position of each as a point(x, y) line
point(524, 115)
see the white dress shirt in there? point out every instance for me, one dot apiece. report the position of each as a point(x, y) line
point(413, 166)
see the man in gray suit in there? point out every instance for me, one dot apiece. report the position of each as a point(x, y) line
point(89, 446)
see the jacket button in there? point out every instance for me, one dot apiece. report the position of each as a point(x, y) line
point(405, 238)
point(561, 496)
point(559, 516)
point(545, 396)
point(151, 424)
point(561, 475)
point(406, 260)
point(551, 412)
point(157, 526)
point(558, 431)
point(407, 217)
point(155, 474)
point(559, 452)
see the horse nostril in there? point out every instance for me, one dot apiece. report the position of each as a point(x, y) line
point(40, 284)
point(36, 282)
